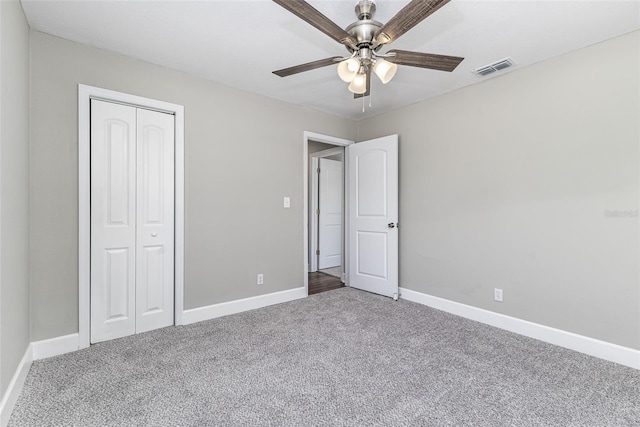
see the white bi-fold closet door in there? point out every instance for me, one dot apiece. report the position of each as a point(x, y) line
point(132, 220)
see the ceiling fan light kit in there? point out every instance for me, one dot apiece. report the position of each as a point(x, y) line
point(359, 84)
point(348, 69)
point(365, 38)
point(385, 70)
point(354, 68)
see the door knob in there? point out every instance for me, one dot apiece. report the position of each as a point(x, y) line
point(154, 234)
point(391, 225)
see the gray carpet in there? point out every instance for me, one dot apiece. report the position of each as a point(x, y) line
point(340, 358)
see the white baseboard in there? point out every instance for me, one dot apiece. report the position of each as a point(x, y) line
point(593, 347)
point(55, 346)
point(237, 306)
point(10, 396)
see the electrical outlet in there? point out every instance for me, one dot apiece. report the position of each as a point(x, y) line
point(286, 203)
point(260, 279)
point(497, 294)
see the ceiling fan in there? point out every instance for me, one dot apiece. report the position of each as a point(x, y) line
point(364, 39)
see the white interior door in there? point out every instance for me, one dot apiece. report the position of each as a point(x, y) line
point(132, 220)
point(155, 220)
point(330, 218)
point(373, 215)
point(113, 220)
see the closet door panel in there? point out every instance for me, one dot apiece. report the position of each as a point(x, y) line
point(113, 220)
point(155, 220)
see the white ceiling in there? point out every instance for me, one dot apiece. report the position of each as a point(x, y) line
point(239, 43)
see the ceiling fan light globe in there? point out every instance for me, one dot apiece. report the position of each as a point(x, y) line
point(348, 69)
point(359, 84)
point(385, 70)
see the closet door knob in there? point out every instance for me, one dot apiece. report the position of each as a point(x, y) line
point(154, 234)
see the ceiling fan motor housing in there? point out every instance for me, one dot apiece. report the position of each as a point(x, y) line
point(363, 31)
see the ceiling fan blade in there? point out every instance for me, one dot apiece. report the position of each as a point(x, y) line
point(425, 60)
point(307, 67)
point(408, 17)
point(368, 91)
point(308, 13)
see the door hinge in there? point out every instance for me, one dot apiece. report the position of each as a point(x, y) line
point(317, 251)
point(318, 170)
point(317, 211)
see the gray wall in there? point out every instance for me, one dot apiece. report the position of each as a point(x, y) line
point(243, 154)
point(507, 184)
point(14, 189)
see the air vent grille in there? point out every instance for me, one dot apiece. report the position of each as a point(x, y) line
point(496, 66)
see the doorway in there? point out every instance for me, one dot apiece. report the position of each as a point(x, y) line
point(371, 212)
point(325, 212)
point(326, 217)
point(149, 255)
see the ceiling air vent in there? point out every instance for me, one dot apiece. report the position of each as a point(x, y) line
point(492, 68)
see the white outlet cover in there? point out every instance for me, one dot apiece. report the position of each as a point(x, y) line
point(497, 294)
point(287, 202)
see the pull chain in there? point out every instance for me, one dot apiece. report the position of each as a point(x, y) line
point(370, 96)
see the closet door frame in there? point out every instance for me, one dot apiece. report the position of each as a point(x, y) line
point(85, 95)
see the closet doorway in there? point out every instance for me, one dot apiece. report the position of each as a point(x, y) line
point(132, 226)
point(131, 214)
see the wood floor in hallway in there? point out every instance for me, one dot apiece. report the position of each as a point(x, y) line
point(321, 282)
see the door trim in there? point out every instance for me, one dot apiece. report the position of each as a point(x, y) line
point(312, 136)
point(313, 219)
point(85, 94)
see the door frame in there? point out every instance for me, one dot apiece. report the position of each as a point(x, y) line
point(85, 95)
point(313, 219)
point(326, 139)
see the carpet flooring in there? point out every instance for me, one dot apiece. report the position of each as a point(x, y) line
point(339, 358)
